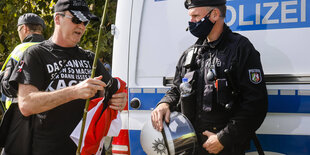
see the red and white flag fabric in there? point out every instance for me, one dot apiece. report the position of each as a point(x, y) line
point(98, 125)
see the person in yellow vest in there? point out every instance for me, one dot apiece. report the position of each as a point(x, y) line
point(14, 127)
point(30, 28)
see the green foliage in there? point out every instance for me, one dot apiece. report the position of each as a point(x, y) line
point(10, 10)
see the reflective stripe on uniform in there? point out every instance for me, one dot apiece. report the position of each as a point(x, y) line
point(18, 52)
point(9, 101)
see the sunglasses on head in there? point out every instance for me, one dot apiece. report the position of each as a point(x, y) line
point(74, 19)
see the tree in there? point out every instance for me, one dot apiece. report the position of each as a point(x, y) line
point(10, 10)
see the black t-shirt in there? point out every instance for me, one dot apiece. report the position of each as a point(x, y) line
point(50, 67)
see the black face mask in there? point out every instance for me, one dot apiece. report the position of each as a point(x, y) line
point(202, 28)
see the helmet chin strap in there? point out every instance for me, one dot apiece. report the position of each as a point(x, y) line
point(165, 139)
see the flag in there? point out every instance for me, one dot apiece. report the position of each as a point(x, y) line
point(98, 125)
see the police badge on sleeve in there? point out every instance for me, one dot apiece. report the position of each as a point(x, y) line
point(255, 76)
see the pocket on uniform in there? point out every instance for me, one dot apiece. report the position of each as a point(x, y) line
point(8, 89)
point(188, 102)
point(224, 95)
point(208, 97)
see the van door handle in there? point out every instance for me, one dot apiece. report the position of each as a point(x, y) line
point(135, 103)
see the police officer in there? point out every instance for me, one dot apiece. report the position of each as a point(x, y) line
point(30, 28)
point(15, 140)
point(228, 95)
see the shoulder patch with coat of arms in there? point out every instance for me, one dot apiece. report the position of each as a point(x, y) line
point(255, 76)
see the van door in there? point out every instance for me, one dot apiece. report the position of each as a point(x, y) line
point(150, 38)
point(157, 39)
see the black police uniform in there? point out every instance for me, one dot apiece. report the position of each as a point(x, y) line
point(233, 112)
point(16, 127)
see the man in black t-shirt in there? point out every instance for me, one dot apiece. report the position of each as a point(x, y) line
point(53, 80)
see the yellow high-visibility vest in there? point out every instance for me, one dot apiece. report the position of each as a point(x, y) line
point(16, 54)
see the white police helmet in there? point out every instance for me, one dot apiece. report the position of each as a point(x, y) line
point(177, 137)
point(152, 141)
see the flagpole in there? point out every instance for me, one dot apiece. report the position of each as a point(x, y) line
point(92, 75)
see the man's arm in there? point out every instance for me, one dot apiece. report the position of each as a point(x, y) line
point(32, 101)
point(171, 98)
point(161, 112)
point(118, 101)
point(251, 109)
point(7, 89)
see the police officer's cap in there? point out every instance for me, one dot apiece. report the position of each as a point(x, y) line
point(199, 3)
point(30, 18)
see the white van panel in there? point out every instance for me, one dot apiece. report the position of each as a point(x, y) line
point(150, 38)
point(121, 39)
point(283, 51)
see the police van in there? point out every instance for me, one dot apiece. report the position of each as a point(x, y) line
point(150, 36)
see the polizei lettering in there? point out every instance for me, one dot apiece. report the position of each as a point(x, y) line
point(267, 14)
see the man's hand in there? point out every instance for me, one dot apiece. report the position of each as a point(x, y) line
point(212, 145)
point(158, 114)
point(88, 88)
point(118, 101)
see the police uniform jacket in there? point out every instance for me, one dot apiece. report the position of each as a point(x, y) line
point(12, 61)
point(234, 52)
point(15, 129)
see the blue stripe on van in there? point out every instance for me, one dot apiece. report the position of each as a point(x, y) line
point(135, 145)
point(289, 103)
point(285, 144)
point(277, 103)
point(148, 100)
